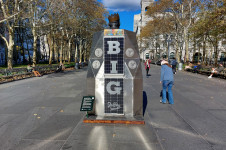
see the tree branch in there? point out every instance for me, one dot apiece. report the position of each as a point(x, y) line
point(175, 14)
point(7, 18)
point(190, 19)
point(7, 44)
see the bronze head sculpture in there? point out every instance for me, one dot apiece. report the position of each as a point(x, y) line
point(114, 21)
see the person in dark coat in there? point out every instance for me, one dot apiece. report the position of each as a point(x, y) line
point(174, 65)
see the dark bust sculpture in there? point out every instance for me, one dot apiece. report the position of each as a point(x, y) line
point(114, 21)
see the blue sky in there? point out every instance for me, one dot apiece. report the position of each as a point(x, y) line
point(126, 10)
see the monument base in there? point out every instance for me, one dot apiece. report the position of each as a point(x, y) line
point(115, 120)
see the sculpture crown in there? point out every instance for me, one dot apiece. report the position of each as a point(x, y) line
point(113, 17)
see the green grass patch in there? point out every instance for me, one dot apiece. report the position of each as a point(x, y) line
point(69, 65)
point(3, 67)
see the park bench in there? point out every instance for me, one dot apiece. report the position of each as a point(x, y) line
point(46, 69)
point(221, 74)
point(21, 73)
point(14, 74)
point(207, 71)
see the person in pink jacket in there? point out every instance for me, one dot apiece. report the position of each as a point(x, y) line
point(147, 66)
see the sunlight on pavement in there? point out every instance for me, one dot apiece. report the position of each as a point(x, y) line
point(41, 144)
point(207, 139)
point(142, 136)
point(98, 138)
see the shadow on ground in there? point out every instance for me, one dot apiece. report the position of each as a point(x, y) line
point(145, 102)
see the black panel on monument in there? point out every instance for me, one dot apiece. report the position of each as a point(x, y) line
point(113, 95)
point(109, 58)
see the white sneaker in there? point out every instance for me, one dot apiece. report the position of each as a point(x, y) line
point(160, 101)
point(209, 77)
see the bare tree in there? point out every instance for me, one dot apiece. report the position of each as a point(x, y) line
point(10, 10)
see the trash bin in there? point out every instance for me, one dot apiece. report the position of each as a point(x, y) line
point(180, 66)
point(77, 66)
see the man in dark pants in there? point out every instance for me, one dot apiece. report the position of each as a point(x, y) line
point(174, 65)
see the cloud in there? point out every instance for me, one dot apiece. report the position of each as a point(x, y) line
point(122, 5)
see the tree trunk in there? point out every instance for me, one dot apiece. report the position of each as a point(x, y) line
point(50, 43)
point(186, 44)
point(216, 53)
point(84, 54)
point(211, 56)
point(177, 49)
point(10, 49)
point(80, 50)
point(177, 53)
point(76, 52)
point(64, 53)
point(199, 53)
point(50, 56)
point(61, 51)
point(69, 51)
point(35, 49)
point(204, 50)
point(194, 50)
point(55, 51)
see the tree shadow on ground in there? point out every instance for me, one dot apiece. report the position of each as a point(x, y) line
point(145, 102)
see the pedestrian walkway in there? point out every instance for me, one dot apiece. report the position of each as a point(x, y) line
point(196, 120)
point(43, 114)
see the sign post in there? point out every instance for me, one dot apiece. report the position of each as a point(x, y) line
point(87, 104)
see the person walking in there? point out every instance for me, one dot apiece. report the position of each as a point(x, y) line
point(147, 66)
point(167, 81)
point(174, 65)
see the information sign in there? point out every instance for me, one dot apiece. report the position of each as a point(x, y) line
point(87, 103)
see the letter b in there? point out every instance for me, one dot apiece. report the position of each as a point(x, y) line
point(113, 47)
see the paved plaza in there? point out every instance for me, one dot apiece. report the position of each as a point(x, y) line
point(43, 113)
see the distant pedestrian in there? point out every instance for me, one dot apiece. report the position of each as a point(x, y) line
point(167, 82)
point(147, 66)
point(189, 66)
point(216, 70)
point(197, 68)
point(29, 68)
point(174, 65)
point(59, 68)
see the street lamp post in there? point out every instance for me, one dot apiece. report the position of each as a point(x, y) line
point(169, 39)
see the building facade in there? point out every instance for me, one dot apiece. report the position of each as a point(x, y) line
point(156, 46)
